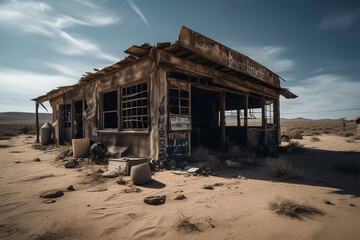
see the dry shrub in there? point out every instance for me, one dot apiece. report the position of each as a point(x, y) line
point(184, 224)
point(357, 136)
point(315, 139)
point(348, 134)
point(293, 209)
point(348, 168)
point(280, 168)
point(201, 154)
point(285, 138)
point(296, 135)
point(294, 147)
point(55, 233)
point(65, 151)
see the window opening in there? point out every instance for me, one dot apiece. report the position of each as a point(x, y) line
point(110, 110)
point(67, 115)
point(134, 111)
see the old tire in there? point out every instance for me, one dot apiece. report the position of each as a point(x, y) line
point(140, 174)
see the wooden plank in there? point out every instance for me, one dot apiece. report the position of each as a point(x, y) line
point(136, 51)
point(37, 121)
point(222, 120)
point(227, 79)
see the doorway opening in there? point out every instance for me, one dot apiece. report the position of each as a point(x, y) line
point(78, 120)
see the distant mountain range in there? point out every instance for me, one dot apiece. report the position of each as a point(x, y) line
point(23, 118)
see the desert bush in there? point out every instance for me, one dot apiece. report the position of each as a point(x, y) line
point(348, 168)
point(280, 168)
point(296, 135)
point(292, 208)
point(357, 136)
point(315, 139)
point(184, 224)
point(201, 154)
point(25, 129)
point(285, 138)
point(348, 134)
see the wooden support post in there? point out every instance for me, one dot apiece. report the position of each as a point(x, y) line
point(222, 120)
point(238, 118)
point(277, 118)
point(246, 101)
point(37, 121)
point(263, 117)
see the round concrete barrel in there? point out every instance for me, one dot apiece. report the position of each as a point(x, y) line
point(46, 134)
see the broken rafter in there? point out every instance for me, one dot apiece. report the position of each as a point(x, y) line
point(136, 51)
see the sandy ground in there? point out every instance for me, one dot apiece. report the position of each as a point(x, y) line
point(236, 210)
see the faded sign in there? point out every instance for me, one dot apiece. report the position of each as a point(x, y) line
point(180, 123)
point(223, 55)
point(178, 144)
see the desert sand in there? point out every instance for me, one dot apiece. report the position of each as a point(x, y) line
point(238, 209)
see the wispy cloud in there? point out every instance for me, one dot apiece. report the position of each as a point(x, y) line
point(138, 11)
point(30, 17)
point(18, 87)
point(323, 92)
point(339, 20)
point(269, 56)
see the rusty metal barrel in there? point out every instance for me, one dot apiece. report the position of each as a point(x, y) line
point(46, 134)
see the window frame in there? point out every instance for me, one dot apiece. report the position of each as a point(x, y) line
point(137, 130)
point(102, 112)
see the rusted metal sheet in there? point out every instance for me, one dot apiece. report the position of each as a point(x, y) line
point(225, 56)
point(286, 93)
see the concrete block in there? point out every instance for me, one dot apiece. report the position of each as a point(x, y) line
point(81, 147)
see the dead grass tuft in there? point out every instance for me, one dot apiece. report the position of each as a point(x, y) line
point(280, 168)
point(348, 168)
point(294, 147)
point(185, 224)
point(315, 139)
point(293, 209)
point(54, 233)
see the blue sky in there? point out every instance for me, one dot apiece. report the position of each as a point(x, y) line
point(313, 45)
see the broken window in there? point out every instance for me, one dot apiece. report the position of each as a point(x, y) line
point(179, 98)
point(269, 112)
point(110, 110)
point(67, 115)
point(134, 111)
point(254, 117)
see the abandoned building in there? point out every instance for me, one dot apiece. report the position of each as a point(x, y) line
point(165, 100)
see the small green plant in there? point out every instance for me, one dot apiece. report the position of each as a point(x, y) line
point(292, 208)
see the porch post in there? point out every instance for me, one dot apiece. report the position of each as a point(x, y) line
point(37, 121)
point(263, 117)
point(238, 117)
point(246, 101)
point(222, 120)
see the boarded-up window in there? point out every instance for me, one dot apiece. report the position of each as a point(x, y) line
point(179, 98)
point(110, 110)
point(134, 107)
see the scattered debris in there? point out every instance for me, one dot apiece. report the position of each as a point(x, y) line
point(191, 169)
point(18, 162)
point(209, 187)
point(98, 190)
point(132, 189)
point(121, 181)
point(49, 201)
point(70, 188)
point(52, 194)
point(110, 174)
point(210, 222)
point(100, 170)
point(17, 151)
point(98, 150)
point(328, 202)
point(180, 197)
point(233, 164)
point(72, 164)
point(37, 160)
point(218, 184)
point(155, 200)
point(352, 205)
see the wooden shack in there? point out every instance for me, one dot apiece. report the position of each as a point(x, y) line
point(165, 100)
point(355, 120)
